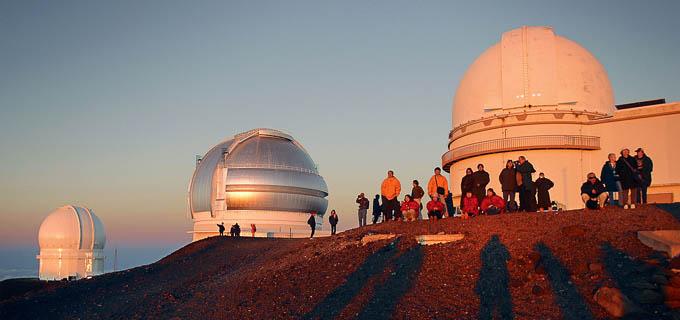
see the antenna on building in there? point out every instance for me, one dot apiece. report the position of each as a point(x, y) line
point(198, 159)
point(115, 259)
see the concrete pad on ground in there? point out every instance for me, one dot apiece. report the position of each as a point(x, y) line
point(662, 240)
point(376, 237)
point(428, 239)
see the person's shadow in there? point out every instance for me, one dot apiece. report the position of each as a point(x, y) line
point(492, 286)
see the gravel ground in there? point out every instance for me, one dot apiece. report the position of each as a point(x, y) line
point(522, 266)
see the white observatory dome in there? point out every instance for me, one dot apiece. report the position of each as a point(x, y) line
point(71, 241)
point(532, 67)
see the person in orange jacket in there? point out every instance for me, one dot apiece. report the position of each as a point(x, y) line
point(438, 181)
point(390, 190)
point(409, 208)
point(470, 205)
point(492, 203)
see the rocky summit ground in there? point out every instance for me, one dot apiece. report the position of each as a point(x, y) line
point(522, 266)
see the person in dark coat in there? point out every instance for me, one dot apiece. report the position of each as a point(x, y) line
point(220, 227)
point(449, 204)
point(508, 181)
point(527, 191)
point(333, 221)
point(543, 185)
point(417, 194)
point(312, 223)
point(610, 179)
point(235, 230)
point(644, 166)
point(479, 181)
point(377, 208)
point(626, 168)
point(594, 190)
point(466, 185)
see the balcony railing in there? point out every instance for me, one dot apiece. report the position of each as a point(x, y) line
point(520, 143)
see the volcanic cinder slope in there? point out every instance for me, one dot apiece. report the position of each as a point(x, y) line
point(529, 266)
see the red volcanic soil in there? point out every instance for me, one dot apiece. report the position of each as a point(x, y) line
point(526, 266)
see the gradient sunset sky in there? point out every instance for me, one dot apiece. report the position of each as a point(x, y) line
point(105, 104)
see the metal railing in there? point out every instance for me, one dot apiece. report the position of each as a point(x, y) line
point(521, 143)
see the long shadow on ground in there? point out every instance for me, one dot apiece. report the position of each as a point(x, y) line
point(568, 298)
point(636, 280)
point(389, 293)
point(492, 286)
point(672, 208)
point(331, 306)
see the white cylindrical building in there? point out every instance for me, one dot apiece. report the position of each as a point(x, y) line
point(71, 242)
point(544, 96)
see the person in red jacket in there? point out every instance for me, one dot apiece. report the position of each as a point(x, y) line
point(435, 208)
point(492, 203)
point(409, 208)
point(470, 205)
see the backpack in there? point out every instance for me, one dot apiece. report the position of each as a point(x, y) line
point(592, 204)
point(511, 206)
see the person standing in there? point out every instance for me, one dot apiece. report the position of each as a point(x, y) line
point(253, 229)
point(466, 185)
point(610, 179)
point(449, 205)
point(626, 168)
point(644, 167)
point(333, 221)
point(543, 186)
point(312, 223)
point(508, 181)
point(220, 228)
point(377, 208)
point(438, 185)
point(527, 197)
point(390, 190)
point(417, 193)
point(480, 179)
point(363, 209)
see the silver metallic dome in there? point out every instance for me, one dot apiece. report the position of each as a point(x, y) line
point(255, 171)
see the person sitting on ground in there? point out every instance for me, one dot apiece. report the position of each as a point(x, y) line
point(492, 203)
point(409, 208)
point(220, 227)
point(593, 192)
point(470, 205)
point(435, 208)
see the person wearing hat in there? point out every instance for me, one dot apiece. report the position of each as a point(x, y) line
point(627, 170)
point(593, 190)
point(644, 166)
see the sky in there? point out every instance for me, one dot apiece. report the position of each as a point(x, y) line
point(105, 104)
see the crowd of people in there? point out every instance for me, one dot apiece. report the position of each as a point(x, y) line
point(624, 182)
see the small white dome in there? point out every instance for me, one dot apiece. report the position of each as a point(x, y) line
point(72, 227)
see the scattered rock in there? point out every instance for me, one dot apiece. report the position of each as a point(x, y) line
point(674, 263)
point(659, 279)
point(674, 281)
point(671, 293)
point(595, 267)
point(575, 231)
point(673, 304)
point(615, 302)
point(642, 285)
